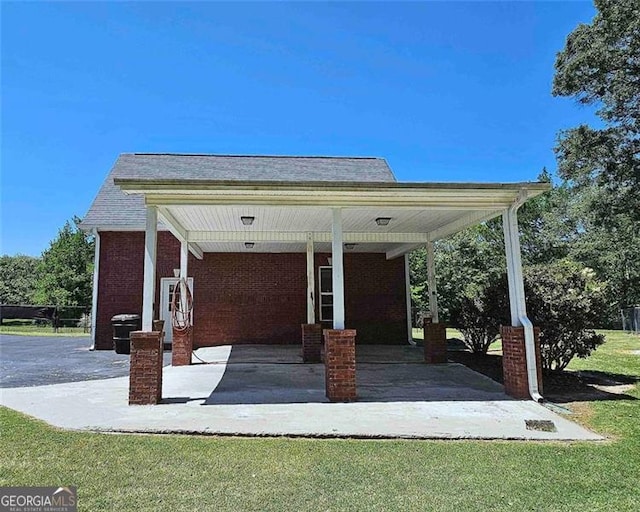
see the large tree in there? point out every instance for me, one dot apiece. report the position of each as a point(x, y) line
point(66, 269)
point(18, 279)
point(600, 66)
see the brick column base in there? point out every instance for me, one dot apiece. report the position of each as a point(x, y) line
point(435, 343)
point(311, 343)
point(182, 347)
point(514, 361)
point(340, 364)
point(145, 371)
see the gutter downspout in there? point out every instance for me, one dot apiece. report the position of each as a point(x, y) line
point(529, 337)
point(94, 291)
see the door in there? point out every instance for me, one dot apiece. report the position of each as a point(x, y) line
point(167, 287)
point(326, 294)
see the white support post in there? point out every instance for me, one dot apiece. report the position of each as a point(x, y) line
point(517, 300)
point(184, 271)
point(149, 288)
point(514, 267)
point(431, 283)
point(337, 255)
point(407, 284)
point(94, 292)
point(311, 284)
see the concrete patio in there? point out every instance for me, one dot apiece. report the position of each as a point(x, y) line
point(267, 391)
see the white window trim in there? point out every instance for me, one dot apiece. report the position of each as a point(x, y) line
point(321, 293)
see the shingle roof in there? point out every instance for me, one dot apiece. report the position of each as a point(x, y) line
point(112, 208)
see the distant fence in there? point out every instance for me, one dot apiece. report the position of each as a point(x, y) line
point(631, 319)
point(59, 318)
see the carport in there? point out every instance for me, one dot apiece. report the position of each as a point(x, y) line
point(391, 218)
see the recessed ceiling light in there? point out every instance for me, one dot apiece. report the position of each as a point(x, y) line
point(383, 221)
point(246, 220)
point(249, 245)
point(349, 247)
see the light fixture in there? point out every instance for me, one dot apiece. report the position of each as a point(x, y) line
point(246, 220)
point(249, 245)
point(349, 247)
point(383, 221)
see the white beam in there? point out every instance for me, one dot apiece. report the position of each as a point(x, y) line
point(402, 250)
point(172, 224)
point(149, 287)
point(431, 283)
point(311, 285)
point(94, 291)
point(337, 255)
point(196, 250)
point(302, 236)
point(462, 223)
point(178, 230)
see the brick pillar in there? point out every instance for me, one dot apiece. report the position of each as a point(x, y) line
point(340, 364)
point(182, 347)
point(145, 371)
point(311, 343)
point(435, 343)
point(514, 361)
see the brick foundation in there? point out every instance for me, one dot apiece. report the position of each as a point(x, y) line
point(145, 371)
point(311, 343)
point(435, 343)
point(182, 347)
point(340, 364)
point(514, 361)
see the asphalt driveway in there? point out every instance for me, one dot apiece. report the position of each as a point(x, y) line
point(39, 360)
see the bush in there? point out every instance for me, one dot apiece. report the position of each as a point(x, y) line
point(564, 300)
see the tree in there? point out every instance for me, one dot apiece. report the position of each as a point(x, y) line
point(600, 66)
point(66, 269)
point(18, 276)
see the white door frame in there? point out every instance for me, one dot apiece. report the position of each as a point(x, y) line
point(165, 312)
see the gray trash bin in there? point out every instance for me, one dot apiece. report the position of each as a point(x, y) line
point(123, 325)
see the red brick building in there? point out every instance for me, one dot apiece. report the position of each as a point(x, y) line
point(268, 244)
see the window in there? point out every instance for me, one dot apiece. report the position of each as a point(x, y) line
point(326, 294)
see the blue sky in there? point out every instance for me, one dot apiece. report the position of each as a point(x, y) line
point(445, 91)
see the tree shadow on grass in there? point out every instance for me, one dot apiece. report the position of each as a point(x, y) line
point(561, 387)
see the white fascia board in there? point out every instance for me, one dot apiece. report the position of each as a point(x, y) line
point(336, 201)
point(302, 236)
point(121, 227)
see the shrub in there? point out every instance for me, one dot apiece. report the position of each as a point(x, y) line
point(564, 299)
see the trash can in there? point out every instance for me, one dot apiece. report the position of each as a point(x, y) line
point(123, 325)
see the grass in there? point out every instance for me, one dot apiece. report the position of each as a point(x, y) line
point(126, 472)
point(21, 329)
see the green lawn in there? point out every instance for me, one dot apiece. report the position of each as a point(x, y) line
point(129, 472)
point(19, 329)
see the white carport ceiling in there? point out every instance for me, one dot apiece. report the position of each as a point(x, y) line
point(208, 213)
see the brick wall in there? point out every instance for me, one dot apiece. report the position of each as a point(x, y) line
point(251, 297)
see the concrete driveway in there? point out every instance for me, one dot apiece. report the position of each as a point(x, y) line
point(27, 361)
point(267, 391)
